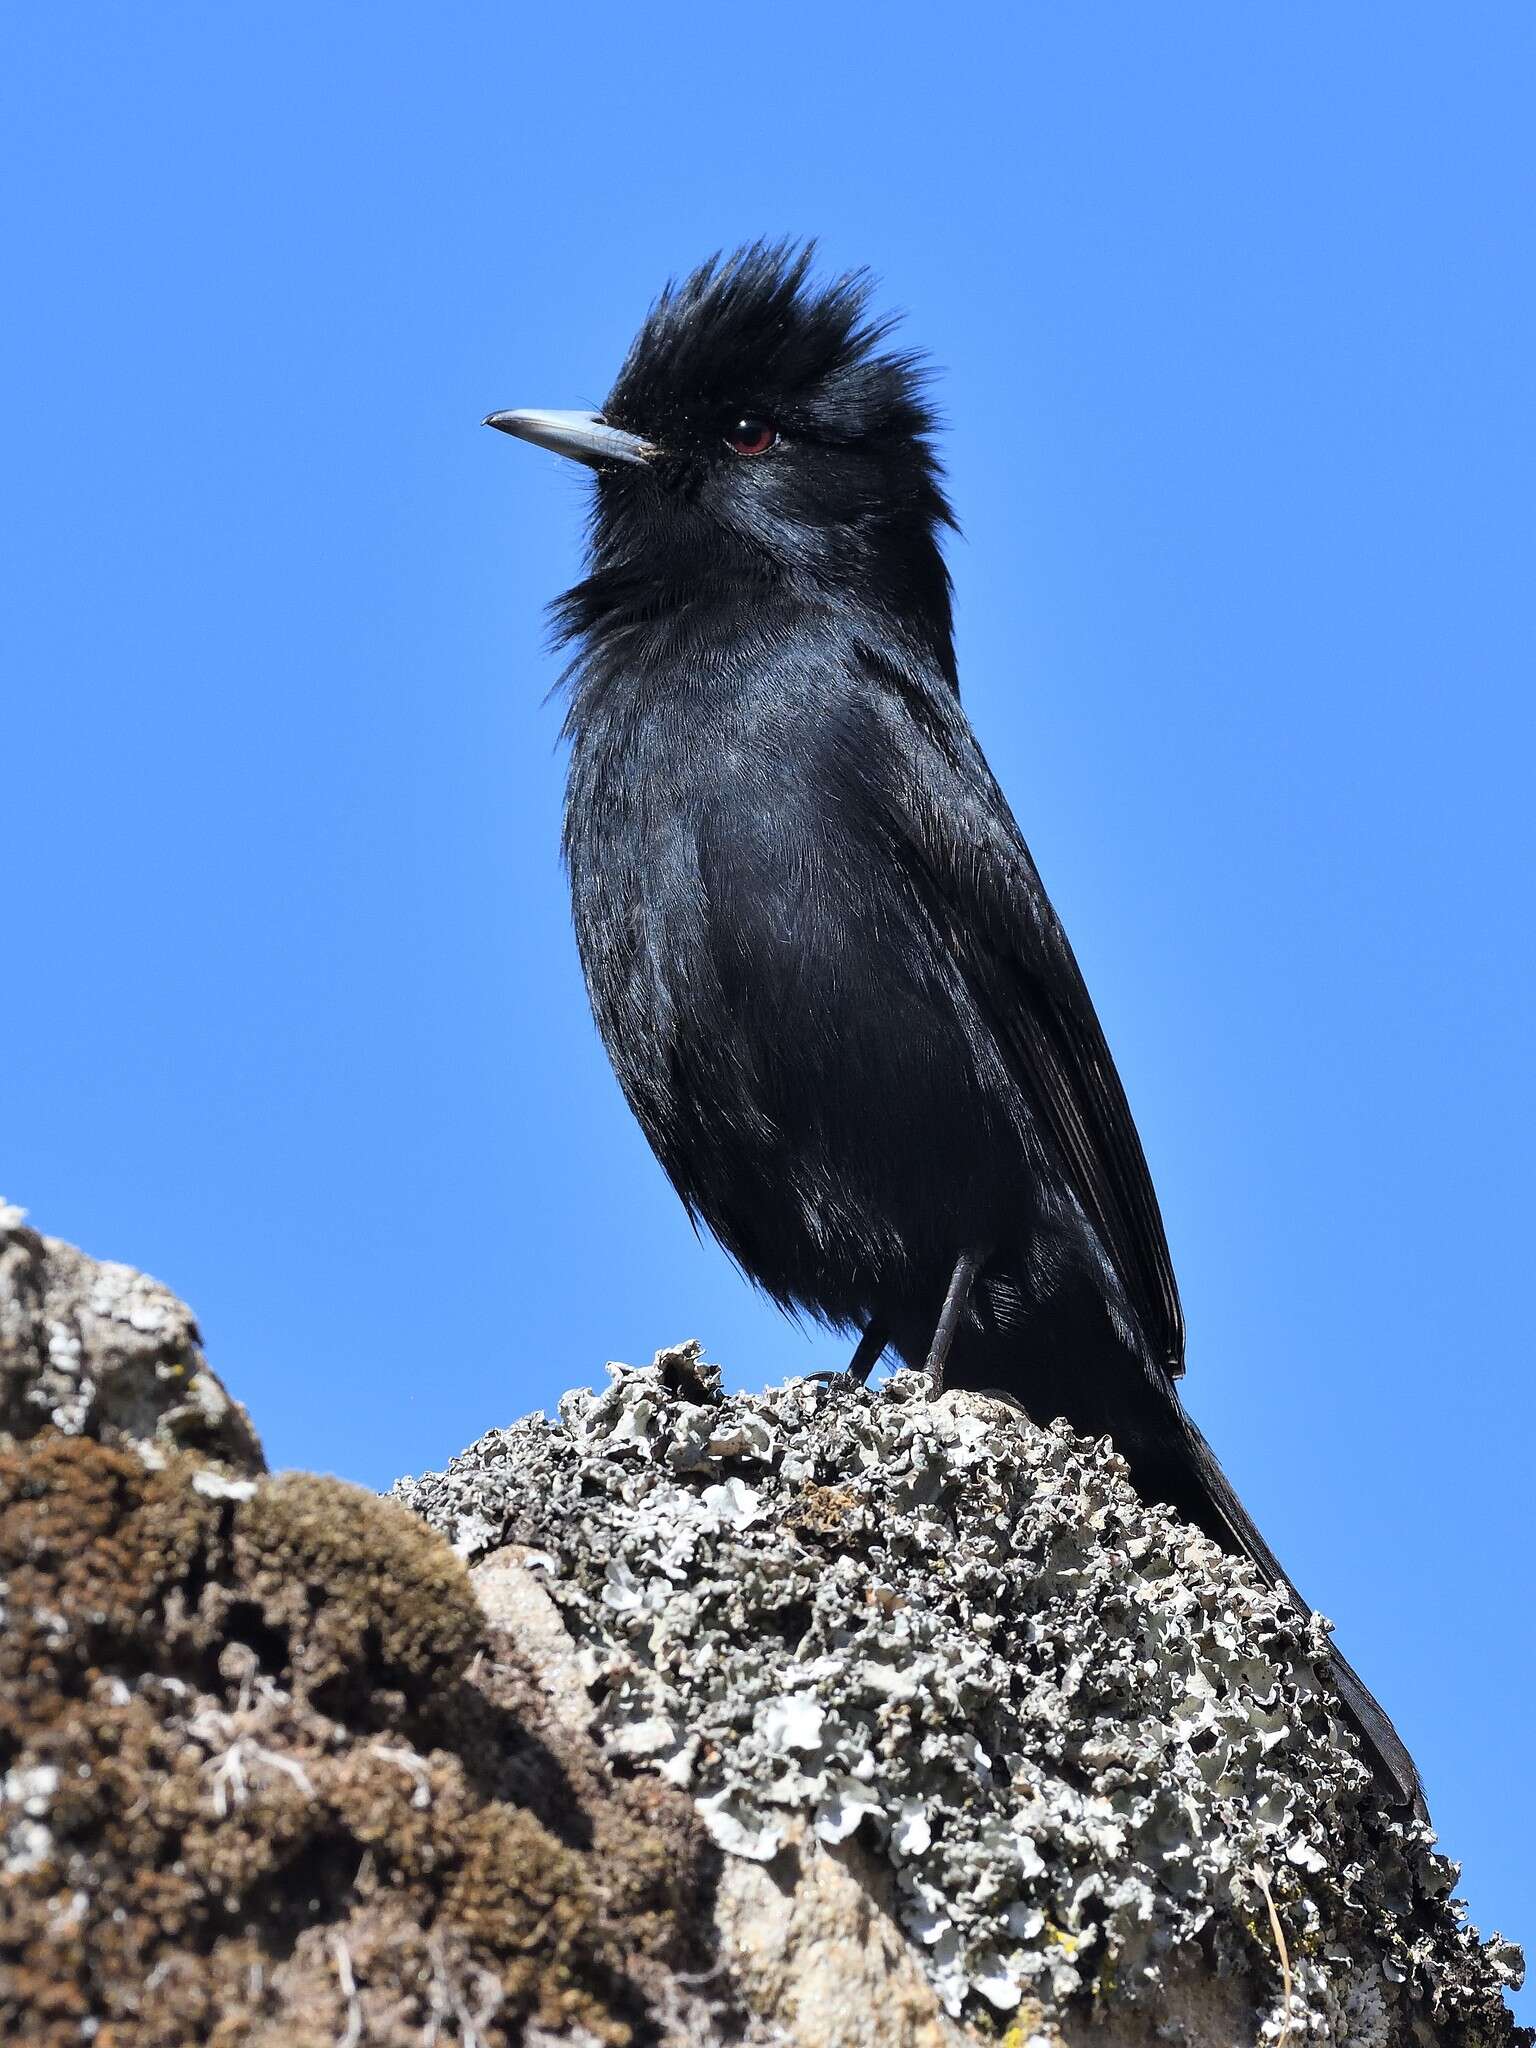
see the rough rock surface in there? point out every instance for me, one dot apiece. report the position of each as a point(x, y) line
point(92, 1348)
point(818, 1718)
point(1097, 1762)
point(269, 1774)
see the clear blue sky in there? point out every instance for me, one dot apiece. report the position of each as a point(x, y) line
point(1235, 313)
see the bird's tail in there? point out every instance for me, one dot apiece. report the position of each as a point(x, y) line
point(1208, 1499)
point(1087, 1373)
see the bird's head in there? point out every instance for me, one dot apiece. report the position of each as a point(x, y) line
point(760, 432)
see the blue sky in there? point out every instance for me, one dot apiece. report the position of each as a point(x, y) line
point(1234, 312)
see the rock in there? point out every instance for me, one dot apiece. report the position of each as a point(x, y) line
point(98, 1350)
point(812, 1944)
point(268, 1774)
point(1080, 1751)
point(815, 1945)
point(818, 1717)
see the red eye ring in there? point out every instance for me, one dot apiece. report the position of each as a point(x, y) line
point(749, 436)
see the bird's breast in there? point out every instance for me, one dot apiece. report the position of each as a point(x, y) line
point(768, 986)
point(737, 915)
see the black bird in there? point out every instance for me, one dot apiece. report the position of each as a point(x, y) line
point(819, 953)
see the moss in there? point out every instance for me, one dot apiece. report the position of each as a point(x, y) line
point(363, 1594)
point(256, 1795)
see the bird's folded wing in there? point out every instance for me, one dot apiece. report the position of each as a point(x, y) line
point(989, 908)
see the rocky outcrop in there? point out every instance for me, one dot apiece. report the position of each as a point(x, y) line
point(269, 1774)
point(89, 1348)
point(821, 1717)
point(1096, 1766)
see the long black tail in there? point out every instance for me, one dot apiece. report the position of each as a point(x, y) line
point(1216, 1508)
point(1086, 1373)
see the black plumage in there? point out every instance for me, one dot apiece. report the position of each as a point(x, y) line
point(820, 955)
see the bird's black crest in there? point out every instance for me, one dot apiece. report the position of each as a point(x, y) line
point(755, 329)
point(852, 502)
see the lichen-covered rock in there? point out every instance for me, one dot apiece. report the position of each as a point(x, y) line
point(1089, 1750)
point(821, 1717)
point(812, 1943)
point(92, 1348)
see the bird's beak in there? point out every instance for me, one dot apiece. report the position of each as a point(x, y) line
point(584, 436)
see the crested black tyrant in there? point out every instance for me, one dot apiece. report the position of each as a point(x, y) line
point(819, 953)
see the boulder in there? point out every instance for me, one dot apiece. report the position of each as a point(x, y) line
point(821, 1716)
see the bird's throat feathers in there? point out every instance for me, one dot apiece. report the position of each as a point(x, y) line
point(637, 639)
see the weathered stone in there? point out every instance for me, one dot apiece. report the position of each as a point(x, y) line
point(1082, 1748)
point(269, 1777)
point(819, 1952)
point(95, 1349)
point(818, 1717)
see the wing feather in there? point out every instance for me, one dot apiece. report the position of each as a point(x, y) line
point(954, 833)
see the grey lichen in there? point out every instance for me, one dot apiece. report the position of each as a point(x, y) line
point(95, 1349)
point(1085, 1739)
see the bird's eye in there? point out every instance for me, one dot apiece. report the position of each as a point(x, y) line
point(751, 436)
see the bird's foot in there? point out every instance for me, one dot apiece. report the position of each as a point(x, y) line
point(864, 1359)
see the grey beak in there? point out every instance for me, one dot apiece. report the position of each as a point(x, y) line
point(584, 436)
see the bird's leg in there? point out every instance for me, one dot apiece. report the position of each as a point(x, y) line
point(867, 1357)
point(962, 1280)
point(864, 1360)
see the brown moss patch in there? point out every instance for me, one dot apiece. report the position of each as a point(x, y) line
point(267, 1780)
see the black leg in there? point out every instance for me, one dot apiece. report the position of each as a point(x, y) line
point(864, 1360)
point(963, 1279)
point(867, 1357)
